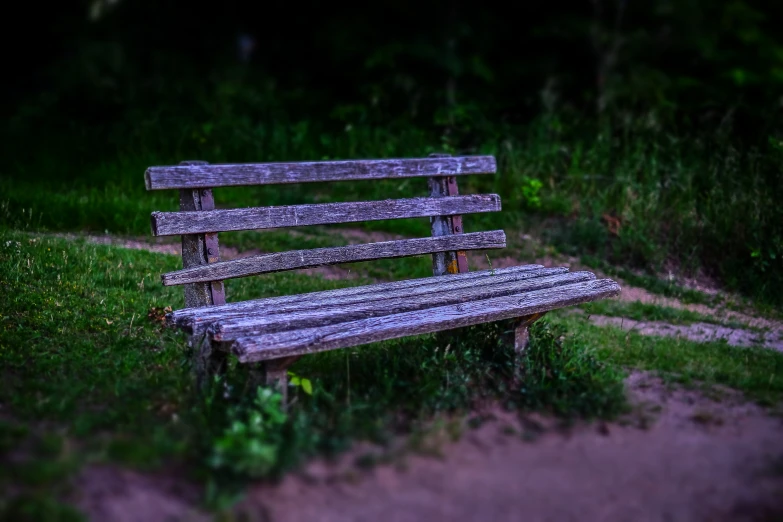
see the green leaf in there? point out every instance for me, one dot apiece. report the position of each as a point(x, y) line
point(307, 386)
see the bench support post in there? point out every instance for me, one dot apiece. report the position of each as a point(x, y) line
point(208, 362)
point(272, 374)
point(521, 341)
point(202, 249)
point(522, 331)
point(446, 262)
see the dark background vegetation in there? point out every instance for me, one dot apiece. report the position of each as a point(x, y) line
point(644, 133)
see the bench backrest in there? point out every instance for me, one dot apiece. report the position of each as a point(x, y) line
point(198, 221)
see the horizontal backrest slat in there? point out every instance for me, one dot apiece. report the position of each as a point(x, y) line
point(205, 176)
point(329, 256)
point(175, 223)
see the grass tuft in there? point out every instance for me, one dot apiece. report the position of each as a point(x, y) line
point(563, 375)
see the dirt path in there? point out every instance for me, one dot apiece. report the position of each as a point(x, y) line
point(698, 332)
point(110, 493)
point(678, 457)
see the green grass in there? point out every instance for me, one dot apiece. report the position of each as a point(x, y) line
point(757, 372)
point(639, 311)
point(89, 377)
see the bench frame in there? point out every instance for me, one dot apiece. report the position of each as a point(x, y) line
point(197, 250)
point(200, 249)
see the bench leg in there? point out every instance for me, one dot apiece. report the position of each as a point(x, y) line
point(521, 340)
point(522, 331)
point(272, 374)
point(209, 361)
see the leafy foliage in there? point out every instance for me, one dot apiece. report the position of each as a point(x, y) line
point(250, 445)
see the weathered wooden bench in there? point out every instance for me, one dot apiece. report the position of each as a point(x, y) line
point(274, 332)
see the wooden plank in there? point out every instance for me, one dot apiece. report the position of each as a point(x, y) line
point(194, 249)
point(207, 362)
point(177, 223)
point(363, 331)
point(522, 331)
point(329, 256)
point(216, 288)
point(440, 225)
point(313, 301)
point(198, 176)
point(456, 225)
point(183, 316)
point(309, 317)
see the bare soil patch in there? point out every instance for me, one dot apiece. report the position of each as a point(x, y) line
point(679, 457)
point(110, 493)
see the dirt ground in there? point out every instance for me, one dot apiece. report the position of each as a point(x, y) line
point(680, 456)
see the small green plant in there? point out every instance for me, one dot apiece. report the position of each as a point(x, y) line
point(298, 381)
point(530, 188)
point(489, 262)
point(250, 445)
point(764, 259)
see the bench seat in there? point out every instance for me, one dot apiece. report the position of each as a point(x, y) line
point(277, 327)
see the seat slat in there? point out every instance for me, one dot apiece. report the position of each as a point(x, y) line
point(310, 317)
point(216, 175)
point(200, 322)
point(190, 318)
point(352, 333)
point(329, 256)
point(176, 223)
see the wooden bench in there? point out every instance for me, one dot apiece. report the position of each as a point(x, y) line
point(276, 331)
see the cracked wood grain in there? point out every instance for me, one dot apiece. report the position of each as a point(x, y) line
point(223, 175)
point(198, 323)
point(175, 223)
point(191, 317)
point(353, 333)
point(309, 316)
point(329, 256)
